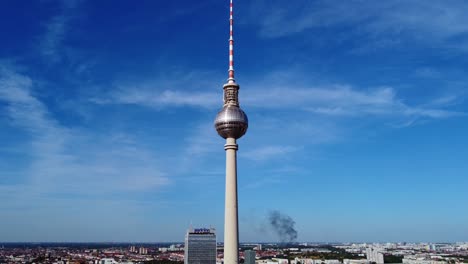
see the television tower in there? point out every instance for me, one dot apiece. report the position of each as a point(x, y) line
point(231, 123)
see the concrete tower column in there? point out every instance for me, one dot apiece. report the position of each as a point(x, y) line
point(231, 227)
point(231, 123)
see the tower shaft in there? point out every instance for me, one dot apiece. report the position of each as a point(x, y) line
point(231, 123)
point(231, 226)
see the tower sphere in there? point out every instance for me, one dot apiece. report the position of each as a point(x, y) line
point(231, 122)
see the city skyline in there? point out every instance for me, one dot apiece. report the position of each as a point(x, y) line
point(267, 254)
point(106, 117)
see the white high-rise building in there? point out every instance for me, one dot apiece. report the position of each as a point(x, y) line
point(375, 255)
point(200, 246)
point(143, 251)
point(249, 257)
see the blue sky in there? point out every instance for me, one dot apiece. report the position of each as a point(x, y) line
point(358, 119)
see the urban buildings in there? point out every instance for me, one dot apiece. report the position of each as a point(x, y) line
point(316, 253)
point(277, 261)
point(143, 251)
point(200, 246)
point(231, 123)
point(374, 255)
point(249, 257)
point(132, 249)
point(328, 261)
point(107, 261)
point(355, 261)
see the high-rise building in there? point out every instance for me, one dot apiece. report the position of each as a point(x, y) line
point(200, 246)
point(143, 251)
point(375, 255)
point(249, 257)
point(132, 249)
point(231, 123)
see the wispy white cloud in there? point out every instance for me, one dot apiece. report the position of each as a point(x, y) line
point(332, 100)
point(175, 89)
point(394, 109)
point(427, 72)
point(73, 160)
point(263, 182)
point(74, 174)
point(446, 100)
point(202, 140)
point(306, 108)
point(269, 152)
point(50, 45)
point(309, 97)
point(166, 98)
point(433, 21)
point(56, 29)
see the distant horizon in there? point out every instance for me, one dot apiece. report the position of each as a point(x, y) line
point(245, 243)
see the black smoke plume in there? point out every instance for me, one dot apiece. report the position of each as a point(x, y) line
point(283, 225)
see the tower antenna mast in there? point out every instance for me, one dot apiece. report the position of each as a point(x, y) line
point(231, 123)
point(231, 44)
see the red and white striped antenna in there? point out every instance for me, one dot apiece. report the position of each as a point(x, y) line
point(231, 45)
